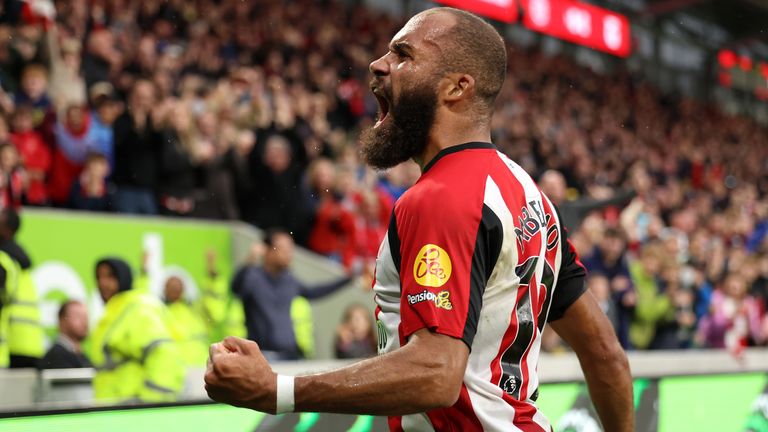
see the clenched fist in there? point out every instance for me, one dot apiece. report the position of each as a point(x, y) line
point(239, 375)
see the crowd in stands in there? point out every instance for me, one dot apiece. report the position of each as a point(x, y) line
point(250, 110)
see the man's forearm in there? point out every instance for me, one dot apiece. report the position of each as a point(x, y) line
point(323, 290)
point(587, 330)
point(610, 387)
point(403, 382)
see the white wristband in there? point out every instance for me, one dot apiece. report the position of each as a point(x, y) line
point(285, 400)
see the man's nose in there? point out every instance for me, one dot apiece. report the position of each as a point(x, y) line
point(379, 67)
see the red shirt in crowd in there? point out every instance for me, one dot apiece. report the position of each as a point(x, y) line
point(333, 233)
point(36, 157)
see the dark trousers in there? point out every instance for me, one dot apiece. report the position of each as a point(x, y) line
point(19, 361)
point(135, 200)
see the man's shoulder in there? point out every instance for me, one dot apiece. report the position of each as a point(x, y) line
point(57, 349)
point(58, 356)
point(447, 192)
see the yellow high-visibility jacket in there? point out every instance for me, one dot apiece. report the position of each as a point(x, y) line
point(222, 312)
point(193, 334)
point(134, 351)
point(26, 336)
point(11, 269)
point(303, 326)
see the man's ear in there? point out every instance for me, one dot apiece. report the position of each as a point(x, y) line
point(456, 87)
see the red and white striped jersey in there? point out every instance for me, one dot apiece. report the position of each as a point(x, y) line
point(475, 251)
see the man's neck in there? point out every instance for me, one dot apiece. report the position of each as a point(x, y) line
point(445, 134)
point(272, 270)
point(70, 342)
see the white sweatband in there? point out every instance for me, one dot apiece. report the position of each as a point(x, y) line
point(285, 399)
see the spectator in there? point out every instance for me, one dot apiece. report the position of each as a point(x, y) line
point(25, 333)
point(218, 199)
point(734, 319)
point(278, 191)
point(180, 156)
point(238, 159)
point(372, 221)
point(355, 336)
point(66, 81)
point(34, 92)
point(137, 153)
point(192, 335)
point(66, 352)
point(221, 310)
point(90, 191)
point(132, 346)
point(13, 178)
point(105, 110)
point(654, 304)
point(599, 285)
point(759, 288)
point(333, 232)
point(73, 143)
point(610, 259)
point(101, 60)
point(268, 292)
point(35, 155)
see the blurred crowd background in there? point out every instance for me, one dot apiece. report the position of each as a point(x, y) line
point(250, 110)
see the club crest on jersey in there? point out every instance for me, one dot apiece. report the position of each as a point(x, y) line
point(442, 300)
point(432, 267)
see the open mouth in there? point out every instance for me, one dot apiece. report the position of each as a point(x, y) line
point(383, 107)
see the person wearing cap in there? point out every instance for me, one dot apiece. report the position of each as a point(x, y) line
point(133, 347)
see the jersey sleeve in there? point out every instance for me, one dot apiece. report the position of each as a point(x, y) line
point(448, 250)
point(570, 282)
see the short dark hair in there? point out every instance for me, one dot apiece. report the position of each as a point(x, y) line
point(271, 233)
point(65, 307)
point(476, 48)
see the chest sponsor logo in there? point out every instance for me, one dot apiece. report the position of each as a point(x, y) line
point(441, 300)
point(432, 267)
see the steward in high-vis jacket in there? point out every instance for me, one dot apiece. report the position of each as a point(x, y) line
point(9, 274)
point(133, 347)
point(220, 309)
point(188, 323)
point(25, 335)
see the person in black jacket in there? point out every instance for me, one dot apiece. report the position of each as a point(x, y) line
point(73, 328)
point(137, 153)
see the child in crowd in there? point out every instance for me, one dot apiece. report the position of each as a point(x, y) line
point(35, 154)
point(13, 179)
point(90, 191)
point(34, 92)
point(600, 287)
point(735, 318)
point(355, 336)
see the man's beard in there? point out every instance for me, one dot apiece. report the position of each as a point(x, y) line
point(404, 134)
